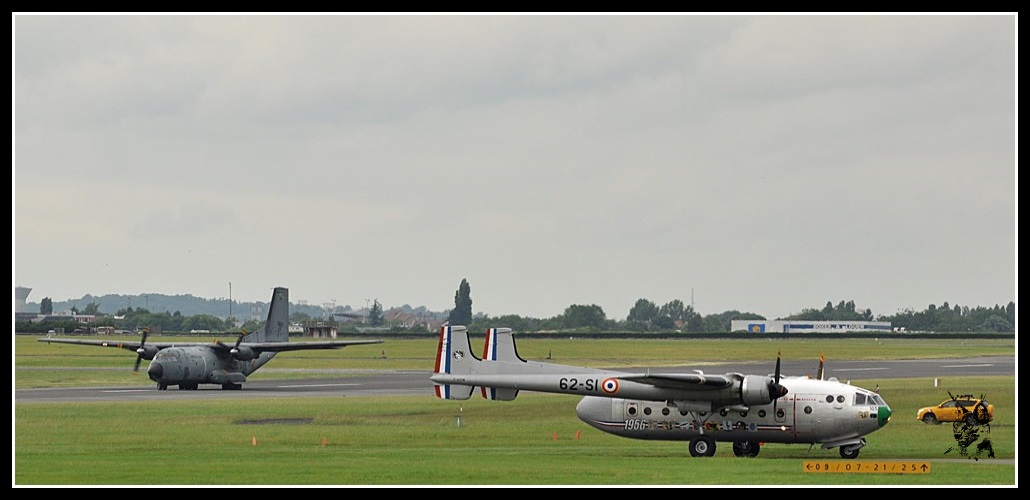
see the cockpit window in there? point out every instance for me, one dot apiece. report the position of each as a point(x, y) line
point(869, 398)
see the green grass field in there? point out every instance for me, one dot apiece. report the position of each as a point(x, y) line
point(399, 441)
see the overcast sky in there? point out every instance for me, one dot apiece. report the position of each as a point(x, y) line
point(761, 163)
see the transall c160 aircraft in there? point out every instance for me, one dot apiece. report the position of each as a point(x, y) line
point(189, 364)
point(746, 410)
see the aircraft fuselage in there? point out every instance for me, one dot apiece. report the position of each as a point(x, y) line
point(813, 411)
point(189, 366)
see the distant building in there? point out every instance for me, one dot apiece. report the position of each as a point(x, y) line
point(84, 319)
point(320, 330)
point(21, 293)
point(793, 326)
point(257, 311)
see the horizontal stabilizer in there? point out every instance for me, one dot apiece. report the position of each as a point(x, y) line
point(453, 391)
point(499, 394)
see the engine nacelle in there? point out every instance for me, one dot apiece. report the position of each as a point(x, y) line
point(244, 353)
point(754, 390)
point(685, 406)
point(147, 352)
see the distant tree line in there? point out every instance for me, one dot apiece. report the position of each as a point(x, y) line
point(136, 319)
point(644, 316)
point(675, 316)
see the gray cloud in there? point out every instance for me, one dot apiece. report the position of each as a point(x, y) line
point(762, 163)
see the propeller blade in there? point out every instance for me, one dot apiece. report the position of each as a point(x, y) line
point(236, 348)
point(140, 350)
point(776, 391)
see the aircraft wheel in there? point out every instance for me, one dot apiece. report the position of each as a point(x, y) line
point(746, 448)
point(162, 387)
point(930, 418)
point(702, 446)
point(849, 452)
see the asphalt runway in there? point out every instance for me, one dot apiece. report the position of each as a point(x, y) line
point(415, 382)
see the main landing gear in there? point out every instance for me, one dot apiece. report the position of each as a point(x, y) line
point(702, 446)
point(746, 448)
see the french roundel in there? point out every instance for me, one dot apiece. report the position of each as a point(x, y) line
point(610, 385)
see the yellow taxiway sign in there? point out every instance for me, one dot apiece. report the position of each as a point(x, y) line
point(866, 466)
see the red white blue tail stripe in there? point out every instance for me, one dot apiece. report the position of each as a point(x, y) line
point(490, 346)
point(443, 362)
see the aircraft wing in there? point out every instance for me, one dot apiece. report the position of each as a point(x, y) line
point(301, 346)
point(121, 344)
point(256, 346)
point(683, 381)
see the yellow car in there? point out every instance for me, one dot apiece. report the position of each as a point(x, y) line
point(961, 408)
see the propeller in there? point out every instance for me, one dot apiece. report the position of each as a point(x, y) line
point(236, 348)
point(776, 391)
point(140, 350)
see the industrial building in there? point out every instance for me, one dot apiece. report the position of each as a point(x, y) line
point(801, 326)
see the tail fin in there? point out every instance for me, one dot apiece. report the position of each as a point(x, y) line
point(454, 357)
point(500, 346)
point(277, 326)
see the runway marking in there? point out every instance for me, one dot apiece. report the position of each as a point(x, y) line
point(129, 390)
point(966, 366)
point(316, 385)
point(857, 369)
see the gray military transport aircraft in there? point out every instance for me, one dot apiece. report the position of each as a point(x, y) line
point(189, 364)
point(747, 410)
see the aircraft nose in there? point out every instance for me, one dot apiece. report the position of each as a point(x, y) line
point(155, 372)
point(883, 415)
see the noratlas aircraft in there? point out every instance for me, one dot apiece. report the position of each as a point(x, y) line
point(746, 410)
